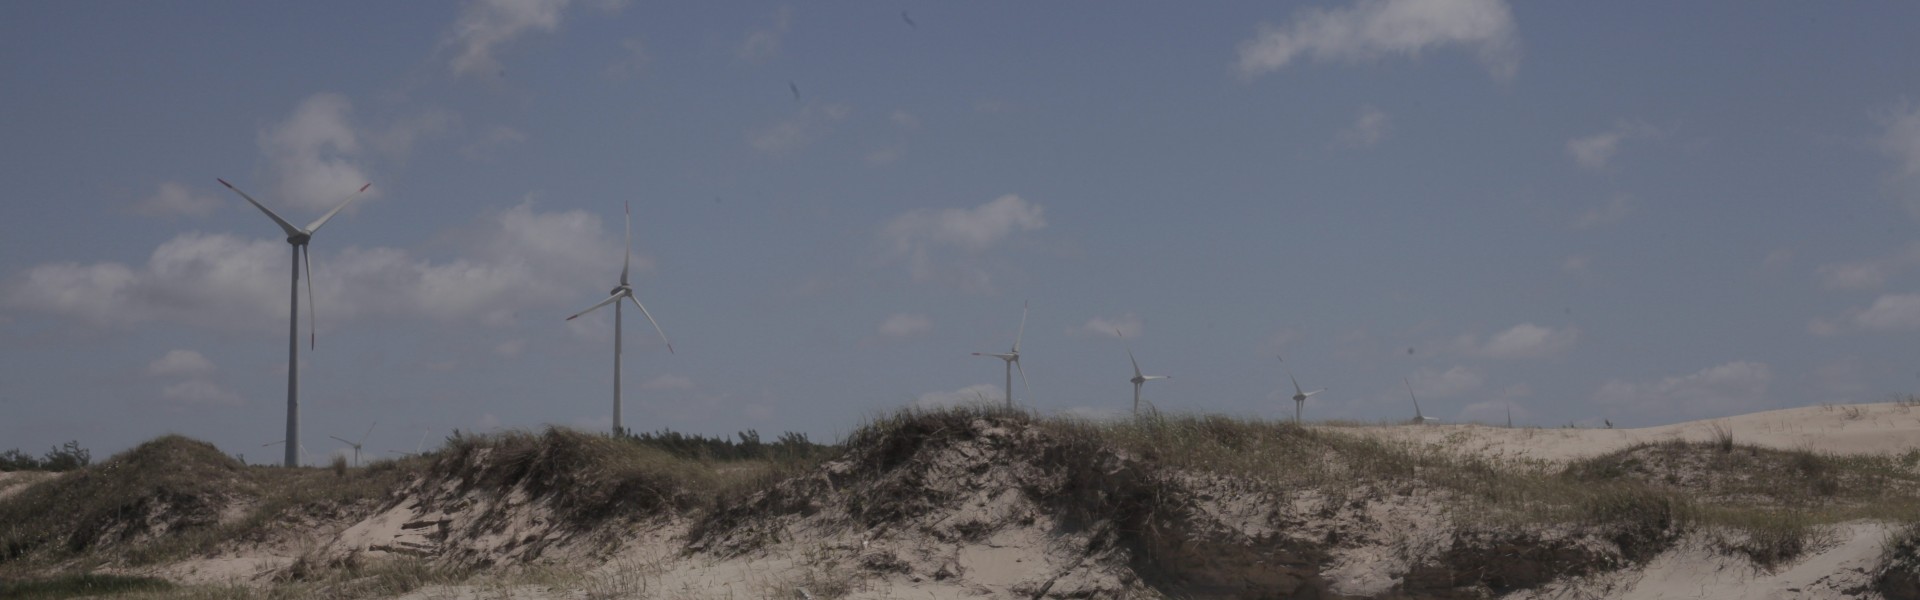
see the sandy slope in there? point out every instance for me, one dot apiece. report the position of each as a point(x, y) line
point(1885, 428)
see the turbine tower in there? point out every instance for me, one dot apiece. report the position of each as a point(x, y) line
point(1299, 397)
point(625, 290)
point(356, 445)
point(1012, 359)
point(1139, 379)
point(298, 238)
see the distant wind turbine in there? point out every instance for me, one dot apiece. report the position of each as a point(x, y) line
point(1418, 419)
point(298, 238)
point(356, 445)
point(303, 449)
point(416, 445)
point(1299, 397)
point(1139, 379)
point(1012, 359)
point(625, 290)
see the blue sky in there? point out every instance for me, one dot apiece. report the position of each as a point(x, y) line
point(1642, 213)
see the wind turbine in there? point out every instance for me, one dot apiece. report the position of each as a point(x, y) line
point(1013, 359)
point(1299, 397)
point(416, 445)
point(356, 445)
point(1139, 379)
point(298, 238)
point(1418, 419)
point(625, 290)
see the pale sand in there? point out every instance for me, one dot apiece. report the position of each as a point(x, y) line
point(1885, 428)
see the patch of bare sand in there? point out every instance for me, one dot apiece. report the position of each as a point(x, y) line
point(1694, 569)
point(1883, 428)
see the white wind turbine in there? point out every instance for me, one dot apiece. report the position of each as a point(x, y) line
point(1139, 379)
point(298, 238)
point(356, 445)
point(625, 290)
point(1418, 419)
point(1299, 397)
point(1012, 359)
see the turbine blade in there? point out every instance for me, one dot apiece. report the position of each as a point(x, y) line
point(1023, 328)
point(315, 227)
point(656, 324)
point(1027, 387)
point(341, 441)
point(363, 436)
point(1136, 363)
point(628, 260)
point(284, 225)
point(1296, 384)
point(313, 322)
point(610, 300)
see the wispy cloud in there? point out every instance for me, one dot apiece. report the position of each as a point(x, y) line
point(1371, 126)
point(1615, 210)
point(176, 199)
point(1739, 386)
point(1869, 274)
point(180, 362)
point(920, 238)
point(764, 43)
point(799, 130)
point(1901, 142)
point(1523, 341)
point(1595, 151)
point(1128, 325)
point(485, 25)
point(1370, 29)
point(905, 325)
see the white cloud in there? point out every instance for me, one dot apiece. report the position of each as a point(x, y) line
point(1901, 142)
point(519, 259)
point(668, 382)
point(1578, 264)
point(1617, 209)
point(1595, 151)
point(199, 392)
point(904, 120)
point(1522, 341)
point(763, 44)
point(1370, 29)
point(632, 62)
point(174, 198)
point(1368, 129)
point(1734, 387)
point(976, 394)
point(1128, 325)
point(315, 155)
point(903, 325)
point(811, 123)
point(1891, 312)
point(180, 362)
point(918, 237)
point(486, 24)
point(1450, 383)
point(1868, 274)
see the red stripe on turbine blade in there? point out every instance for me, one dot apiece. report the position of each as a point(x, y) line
point(223, 182)
point(669, 348)
point(364, 187)
point(571, 318)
